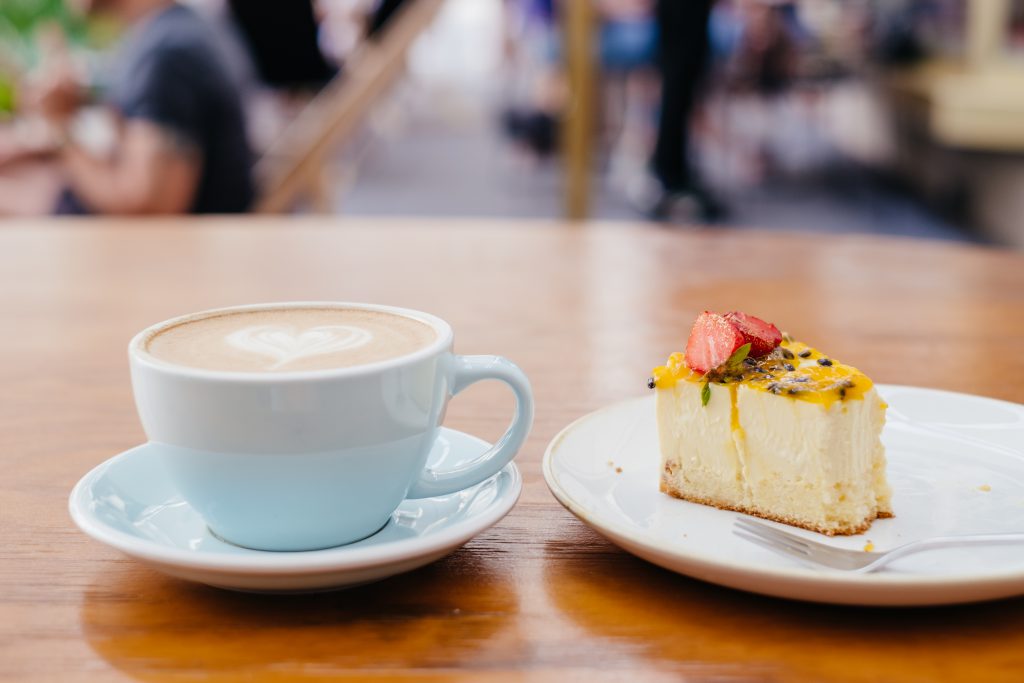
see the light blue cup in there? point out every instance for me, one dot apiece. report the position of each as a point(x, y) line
point(317, 458)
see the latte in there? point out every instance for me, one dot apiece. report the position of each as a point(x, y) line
point(289, 339)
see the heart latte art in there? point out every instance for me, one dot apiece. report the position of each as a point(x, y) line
point(290, 339)
point(285, 343)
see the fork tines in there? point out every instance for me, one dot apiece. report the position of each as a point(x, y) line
point(770, 538)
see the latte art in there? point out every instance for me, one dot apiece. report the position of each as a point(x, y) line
point(284, 343)
point(290, 339)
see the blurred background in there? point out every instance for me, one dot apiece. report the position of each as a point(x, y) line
point(871, 116)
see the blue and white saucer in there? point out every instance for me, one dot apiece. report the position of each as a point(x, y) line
point(129, 504)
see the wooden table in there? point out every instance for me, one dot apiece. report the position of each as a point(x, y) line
point(586, 312)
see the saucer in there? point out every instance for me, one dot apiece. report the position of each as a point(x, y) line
point(128, 504)
point(955, 463)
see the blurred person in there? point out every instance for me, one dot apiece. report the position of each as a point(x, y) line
point(766, 59)
point(283, 39)
point(179, 139)
point(628, 44)
point(682, 59)
point(536, 88)
point(758, 122)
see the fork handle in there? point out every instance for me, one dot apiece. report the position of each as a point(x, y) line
point(945, 542)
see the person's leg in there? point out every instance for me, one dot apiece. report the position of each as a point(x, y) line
point(683, 46)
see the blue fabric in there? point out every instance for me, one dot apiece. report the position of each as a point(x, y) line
point(628, 44)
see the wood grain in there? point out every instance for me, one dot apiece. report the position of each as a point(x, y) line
point(540, 597)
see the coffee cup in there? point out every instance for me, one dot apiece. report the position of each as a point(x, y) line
point(300, 426)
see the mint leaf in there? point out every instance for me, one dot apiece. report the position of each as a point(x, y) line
point(732, 366)
point(739, 355)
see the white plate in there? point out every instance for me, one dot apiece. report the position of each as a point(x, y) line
point(128, 504)
point(956, 465)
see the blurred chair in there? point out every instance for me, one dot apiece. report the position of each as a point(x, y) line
point(294, 168)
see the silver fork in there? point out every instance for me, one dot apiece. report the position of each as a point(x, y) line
point(856, 561)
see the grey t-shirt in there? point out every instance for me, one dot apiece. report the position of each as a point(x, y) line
point(171, 72)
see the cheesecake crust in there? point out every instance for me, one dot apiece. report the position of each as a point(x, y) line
point(848, 530)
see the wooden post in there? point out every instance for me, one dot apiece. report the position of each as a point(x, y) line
point(578, 133)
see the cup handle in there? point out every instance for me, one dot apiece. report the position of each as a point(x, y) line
point(469, 370)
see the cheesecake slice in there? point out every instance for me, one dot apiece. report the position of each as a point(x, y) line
point(754, 422)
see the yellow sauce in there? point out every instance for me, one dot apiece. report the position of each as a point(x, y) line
point(809, 380)
point(734, 414)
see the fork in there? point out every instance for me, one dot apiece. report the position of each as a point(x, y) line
point(855, 561)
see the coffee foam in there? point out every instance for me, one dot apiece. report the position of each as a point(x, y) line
point(289, 339)
point(286, 344)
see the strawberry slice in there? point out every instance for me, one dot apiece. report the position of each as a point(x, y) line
point(763, 336)
point(712, 340)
